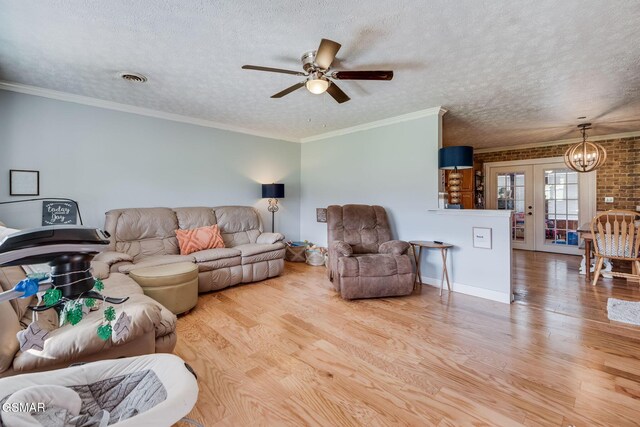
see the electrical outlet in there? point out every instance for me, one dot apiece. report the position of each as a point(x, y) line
point(637, 208)
point(608, 199)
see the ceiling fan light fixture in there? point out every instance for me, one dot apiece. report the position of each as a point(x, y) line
point(317, 84)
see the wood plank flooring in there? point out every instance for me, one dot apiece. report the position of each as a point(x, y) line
point(290, 351)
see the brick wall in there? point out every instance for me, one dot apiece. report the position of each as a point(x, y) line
point(619, 177)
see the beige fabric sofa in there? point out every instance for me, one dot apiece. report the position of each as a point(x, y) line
point(152, 328)
point(145, 237)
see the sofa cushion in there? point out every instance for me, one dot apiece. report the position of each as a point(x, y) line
point(9, 277)
point(239, 225)
point(251, 249)
point(112, 257)
point(143, 232)
point(8, 342)
point(195, 217)
point(270, 238)
point(120, 285)
point(199, 239)
point(71, 342)
point(215, 254)
point(256, 252)
point(219, 263)
point(155, 261)
point(100, 269)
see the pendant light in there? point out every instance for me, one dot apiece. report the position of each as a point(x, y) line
point(585, 156)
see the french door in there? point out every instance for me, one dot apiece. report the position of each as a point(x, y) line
point(548, 200)
point(511, 188)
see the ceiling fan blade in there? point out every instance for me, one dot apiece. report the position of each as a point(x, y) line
point(337, 93)
point(326, 53)
point(363, 75)
point(288, 90)
point(272, 70)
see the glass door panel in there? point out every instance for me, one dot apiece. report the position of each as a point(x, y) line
point(557, 190)
point(561, 207)
point(510, 192)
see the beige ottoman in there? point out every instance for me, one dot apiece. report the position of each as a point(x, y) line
point(173, 285)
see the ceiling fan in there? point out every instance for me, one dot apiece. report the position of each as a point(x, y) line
point(317, 65)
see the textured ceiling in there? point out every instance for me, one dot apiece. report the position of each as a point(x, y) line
point(508, 72)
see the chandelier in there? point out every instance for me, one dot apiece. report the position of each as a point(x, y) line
point(585, 156)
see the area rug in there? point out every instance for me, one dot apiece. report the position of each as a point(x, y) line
point(623, 311)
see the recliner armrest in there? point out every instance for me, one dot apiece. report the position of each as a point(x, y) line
point(112, 257)
point(100, 269)
point(394, 247)
point(341, 248)
point(270, 238)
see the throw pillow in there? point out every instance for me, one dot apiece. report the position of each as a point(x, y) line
point(199, 239)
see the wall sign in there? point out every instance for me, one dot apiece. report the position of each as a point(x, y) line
point(59, 213)
point(482, 237)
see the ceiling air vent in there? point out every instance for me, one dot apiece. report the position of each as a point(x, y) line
point(133, 77)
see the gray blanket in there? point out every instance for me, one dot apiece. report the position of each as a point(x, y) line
point(121, 397)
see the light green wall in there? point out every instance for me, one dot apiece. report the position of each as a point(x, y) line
point(395, 166)
point(108, 159)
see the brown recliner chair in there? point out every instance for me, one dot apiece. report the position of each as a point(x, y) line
point(364, 262)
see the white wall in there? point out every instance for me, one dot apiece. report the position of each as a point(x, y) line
point(479, 272)
point(107, 159)
point(395, 166)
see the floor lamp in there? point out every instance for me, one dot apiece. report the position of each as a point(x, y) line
point(273, 192)
point(454, 158)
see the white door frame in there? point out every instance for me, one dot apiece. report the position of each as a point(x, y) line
point(587, 188)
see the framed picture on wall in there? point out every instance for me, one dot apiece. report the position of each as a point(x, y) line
point(482, 237)
point(24, 182)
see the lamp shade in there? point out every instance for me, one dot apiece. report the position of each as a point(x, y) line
point(460, 157)
point(273, 191)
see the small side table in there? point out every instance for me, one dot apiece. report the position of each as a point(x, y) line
point(444, 248)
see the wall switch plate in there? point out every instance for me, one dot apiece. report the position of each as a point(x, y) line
point(608, 199)
point(637, 208)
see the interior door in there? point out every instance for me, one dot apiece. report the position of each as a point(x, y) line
point(511, 188)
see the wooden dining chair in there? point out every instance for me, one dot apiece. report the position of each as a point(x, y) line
point(616, 235)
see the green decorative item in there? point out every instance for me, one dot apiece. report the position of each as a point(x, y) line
point(104, 331)
point(52, 296)
point(71, 313)
point(109, 314)
point(98, 285)
point(90, 302)
point(74, 314)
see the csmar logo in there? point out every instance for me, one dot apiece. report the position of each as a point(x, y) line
point(24, 407)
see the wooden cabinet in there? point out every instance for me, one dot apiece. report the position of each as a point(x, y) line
point(466, 199)
point(467, 195)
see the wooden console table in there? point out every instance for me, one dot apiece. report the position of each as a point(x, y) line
point(444, 247)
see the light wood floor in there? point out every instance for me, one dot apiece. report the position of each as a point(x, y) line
point(289, 351)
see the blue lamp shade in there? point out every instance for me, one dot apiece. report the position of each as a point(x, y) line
point(273, 191)
point(458, 157)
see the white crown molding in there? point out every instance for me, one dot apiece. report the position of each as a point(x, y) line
point(110, 105)
point(557, 142)
point(379, 123)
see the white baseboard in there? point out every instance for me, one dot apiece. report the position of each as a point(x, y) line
point(471, 290)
